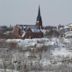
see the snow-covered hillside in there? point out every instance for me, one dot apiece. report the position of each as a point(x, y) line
point(35, 42)
point(46, 54)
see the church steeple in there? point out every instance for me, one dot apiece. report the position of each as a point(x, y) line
point(39, 19)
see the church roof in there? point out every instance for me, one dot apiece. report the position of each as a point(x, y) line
point(27, 26)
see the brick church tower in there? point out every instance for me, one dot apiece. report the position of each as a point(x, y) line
point(39, 20)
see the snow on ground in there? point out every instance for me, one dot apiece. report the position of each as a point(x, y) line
point(45, 62)
point(63, 52)
point(8, 70)
point(65, 40)
point(34, 42)
point(39, 42)
point(13, 40)
point(53, 57)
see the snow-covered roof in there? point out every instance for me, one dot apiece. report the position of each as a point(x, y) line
point(27, 26)
point(36, 30)
point(23, 33)
point(69, 33)
point(70, 25)
point(66, 27)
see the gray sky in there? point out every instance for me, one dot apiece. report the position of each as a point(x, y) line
point(25, 11)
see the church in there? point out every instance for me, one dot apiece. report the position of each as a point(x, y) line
point(29, 31)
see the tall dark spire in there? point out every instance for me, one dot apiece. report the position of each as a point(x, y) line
point(39, 19)
point(39, 15)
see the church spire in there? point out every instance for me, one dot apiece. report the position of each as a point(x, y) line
point(39, 19)
point(39, 15)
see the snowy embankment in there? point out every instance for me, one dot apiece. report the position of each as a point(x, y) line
point(63, 52)
point(59, 55)
point(38, 42)
point(8, 70)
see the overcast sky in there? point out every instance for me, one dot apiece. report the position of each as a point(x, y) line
point(25, 11)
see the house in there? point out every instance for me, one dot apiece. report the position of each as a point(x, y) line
point(68, 30)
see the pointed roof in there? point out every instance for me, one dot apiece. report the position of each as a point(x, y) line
point(39, 15)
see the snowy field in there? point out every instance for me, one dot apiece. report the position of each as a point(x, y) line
point(37, 55)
